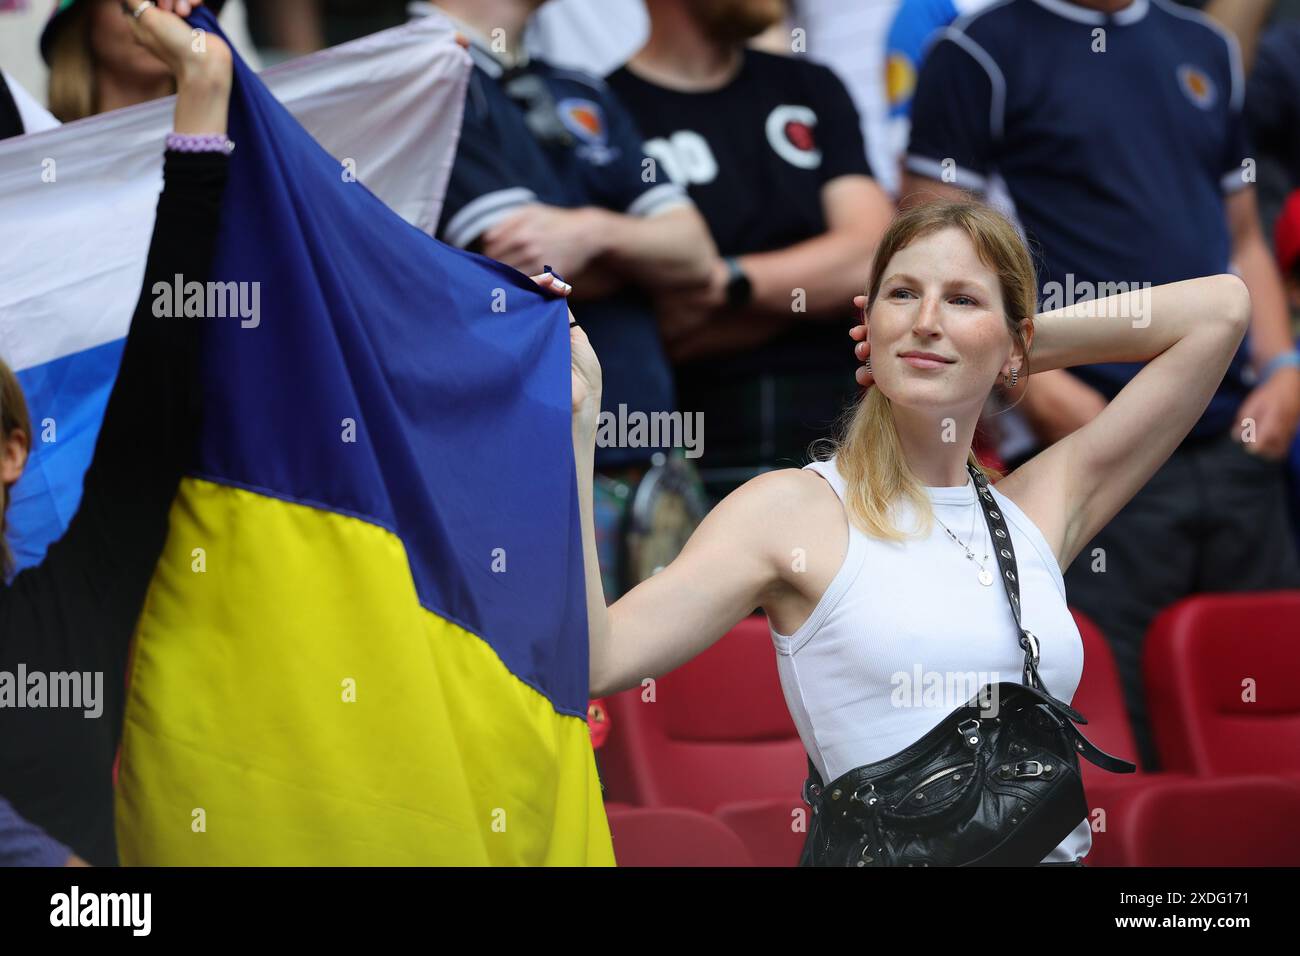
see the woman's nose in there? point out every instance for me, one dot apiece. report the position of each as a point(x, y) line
point(927, 316)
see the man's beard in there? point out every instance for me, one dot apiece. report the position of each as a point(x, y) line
point(735, 21)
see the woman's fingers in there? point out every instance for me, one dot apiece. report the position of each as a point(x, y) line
point(552, 283)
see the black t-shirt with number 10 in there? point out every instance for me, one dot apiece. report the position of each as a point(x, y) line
point(754, 155)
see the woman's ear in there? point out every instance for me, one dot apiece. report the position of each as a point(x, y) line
point(13, 457)
point(1021, 358)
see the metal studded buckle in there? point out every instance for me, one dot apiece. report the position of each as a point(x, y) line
point(870, 789)
point(1024, 768)
point(1033, 643)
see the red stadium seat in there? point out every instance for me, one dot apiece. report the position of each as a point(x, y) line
point(1239, 821)
point(767, 828)
point(1199, 655)
point(1100, 698)
point(673, 837)
point(716, 731)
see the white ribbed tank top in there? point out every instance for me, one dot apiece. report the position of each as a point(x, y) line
point(906, 632)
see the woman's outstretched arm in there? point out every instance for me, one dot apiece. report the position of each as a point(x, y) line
point(738, 559)
point(1187, 333)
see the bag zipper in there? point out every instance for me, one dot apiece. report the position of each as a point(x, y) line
point(930, 779)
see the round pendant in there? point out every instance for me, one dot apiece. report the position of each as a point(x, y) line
point(986, 578)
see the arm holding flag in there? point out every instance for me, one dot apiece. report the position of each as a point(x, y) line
point(737, 559)
point(76, 611)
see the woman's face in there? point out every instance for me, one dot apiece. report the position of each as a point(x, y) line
point(937, 296)
point(115, 47)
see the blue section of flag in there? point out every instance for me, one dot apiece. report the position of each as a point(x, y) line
point(400, 380)
point(66, 399)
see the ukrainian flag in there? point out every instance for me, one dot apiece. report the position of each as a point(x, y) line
point(366, 640)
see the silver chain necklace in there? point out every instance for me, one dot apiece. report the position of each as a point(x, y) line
point(986, 578)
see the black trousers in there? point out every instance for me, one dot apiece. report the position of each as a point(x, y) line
point(1213, 518)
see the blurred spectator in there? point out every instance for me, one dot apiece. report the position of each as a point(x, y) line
point(290, 28)
point(22, 22)
point(594, 36)
point(1273, 99)
point(1127, 115)
point(548, 171)
point(916, 24)
point(19, 112)
point(1244, 19)
point(95, 63)
point(850, 39)
point(1272, 93)
point(771, 150)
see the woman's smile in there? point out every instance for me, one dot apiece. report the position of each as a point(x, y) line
point(925, 359)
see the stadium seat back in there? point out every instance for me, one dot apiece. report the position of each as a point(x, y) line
point(714, 731)
point(1222, 673)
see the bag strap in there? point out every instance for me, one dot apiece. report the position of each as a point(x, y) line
point(1006, 555)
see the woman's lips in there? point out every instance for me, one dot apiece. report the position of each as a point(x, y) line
point(917, 362)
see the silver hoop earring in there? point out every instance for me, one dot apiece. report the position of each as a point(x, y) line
point(1015, 376)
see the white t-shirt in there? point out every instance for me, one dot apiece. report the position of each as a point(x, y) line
point(906, 632)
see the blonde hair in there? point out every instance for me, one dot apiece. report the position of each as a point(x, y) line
point(868, 452)
point(13, 417)
point(72, 92)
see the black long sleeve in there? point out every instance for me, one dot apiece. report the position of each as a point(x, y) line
point(77, 610)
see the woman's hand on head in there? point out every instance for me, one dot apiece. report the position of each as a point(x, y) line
point(192, 55)
point(858, 333)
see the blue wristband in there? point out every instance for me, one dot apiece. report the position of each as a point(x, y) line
point(1291, 358)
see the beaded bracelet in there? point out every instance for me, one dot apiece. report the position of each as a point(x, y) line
point(199, 143)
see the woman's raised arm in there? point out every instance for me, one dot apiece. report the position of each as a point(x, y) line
point(1187, 332)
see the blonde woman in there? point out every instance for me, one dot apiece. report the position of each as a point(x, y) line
point(875, 562)
point(97, 64)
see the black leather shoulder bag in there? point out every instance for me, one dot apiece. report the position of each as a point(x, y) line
point(995, 783)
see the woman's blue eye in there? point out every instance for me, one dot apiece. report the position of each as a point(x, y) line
point(965, 300)
point(900, 292)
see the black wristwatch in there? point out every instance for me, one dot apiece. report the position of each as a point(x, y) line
point(739, 291)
